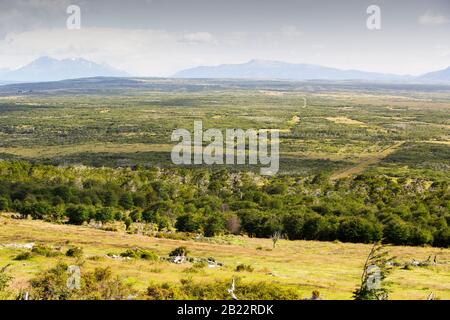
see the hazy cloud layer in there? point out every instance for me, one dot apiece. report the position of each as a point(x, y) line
point(159, 37)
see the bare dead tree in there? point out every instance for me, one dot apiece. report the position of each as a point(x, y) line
point(275, 237)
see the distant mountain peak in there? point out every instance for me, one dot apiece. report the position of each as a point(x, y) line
point(271, 69)
point(437, 76)
point(50, 69)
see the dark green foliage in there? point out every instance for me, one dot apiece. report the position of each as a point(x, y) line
point(217, 290)
point(137, 253)
point(26, 255)
point(180, 251)
point(44, 250)
point(97, 285)
point(77, 214)
point(4, 203)
point(355, 229)
point(75, 252)
point(442, 237)
point(244, 267)
point(214, 225)
point(4, 278)
point(105, 214)
point(401, 210)
point(190, 222)
point(126, 201)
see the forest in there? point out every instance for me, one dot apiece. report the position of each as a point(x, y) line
point(366, 208)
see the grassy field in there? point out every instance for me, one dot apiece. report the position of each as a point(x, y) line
point(396, 133)
point(334, 128)
point(330, 267)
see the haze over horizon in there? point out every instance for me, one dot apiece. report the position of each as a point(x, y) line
point(150, 38)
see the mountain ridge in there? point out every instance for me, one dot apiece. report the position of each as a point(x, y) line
point(46, 68)
point(272, 69)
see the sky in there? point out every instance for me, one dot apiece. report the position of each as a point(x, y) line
point(160, 37)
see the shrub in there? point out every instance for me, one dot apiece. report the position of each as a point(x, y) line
point(217, 290)
point(44, 250)
point(244, 267)
point(420, 236)
point(126, 201)
point(396, 232)
point(105, 214)
point(136, 215)
point(77, 214)
point(36, 209)
point(149, 255)
point(137, 253)
point(102, 285)
point(23, 256)
point(97, 285)
point(189, 223)
point(75, 252)
point(180, 251)
point(4, 203)
point(51, 284)
point(4, 283)
point(200, 264)
point(355, 229)
point(215, 225)
point(442, 238)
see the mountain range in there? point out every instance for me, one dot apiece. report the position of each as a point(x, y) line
point(267, 69)
point(49, 69)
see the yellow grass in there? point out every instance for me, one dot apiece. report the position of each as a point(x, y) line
point(345, 120)
point(332, 268)
point(366, 162)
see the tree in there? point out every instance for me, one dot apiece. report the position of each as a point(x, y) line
point(4, 203)
point(77, 214)
point(110, 198)
point(214, 225)
point(4, 278)
point(442, 237)
point(376, 268)
point(356, 229)
point(105, 214)
point(233, 225)
point(396, 232)
point(190, 222)
point(126, 201)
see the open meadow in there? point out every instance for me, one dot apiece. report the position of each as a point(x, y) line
point(332, 268)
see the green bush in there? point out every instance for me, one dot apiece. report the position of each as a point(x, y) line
point(442, 238)
point(189, 223)
point(26, 255)
point(215, 225)
point(137, 253)
point(96, 285)
point(244, 267)
point(44, 250)
point(75, 252)
point(180, 251)
point(105, 214)
point(356, 229)
point(77, 214)
point(217, 290)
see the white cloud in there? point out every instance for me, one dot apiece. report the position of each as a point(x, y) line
point(138, 51)
point(430, 18)
point(199, 37)
point(290, 31)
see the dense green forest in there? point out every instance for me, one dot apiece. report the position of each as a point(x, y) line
point(365, 208)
